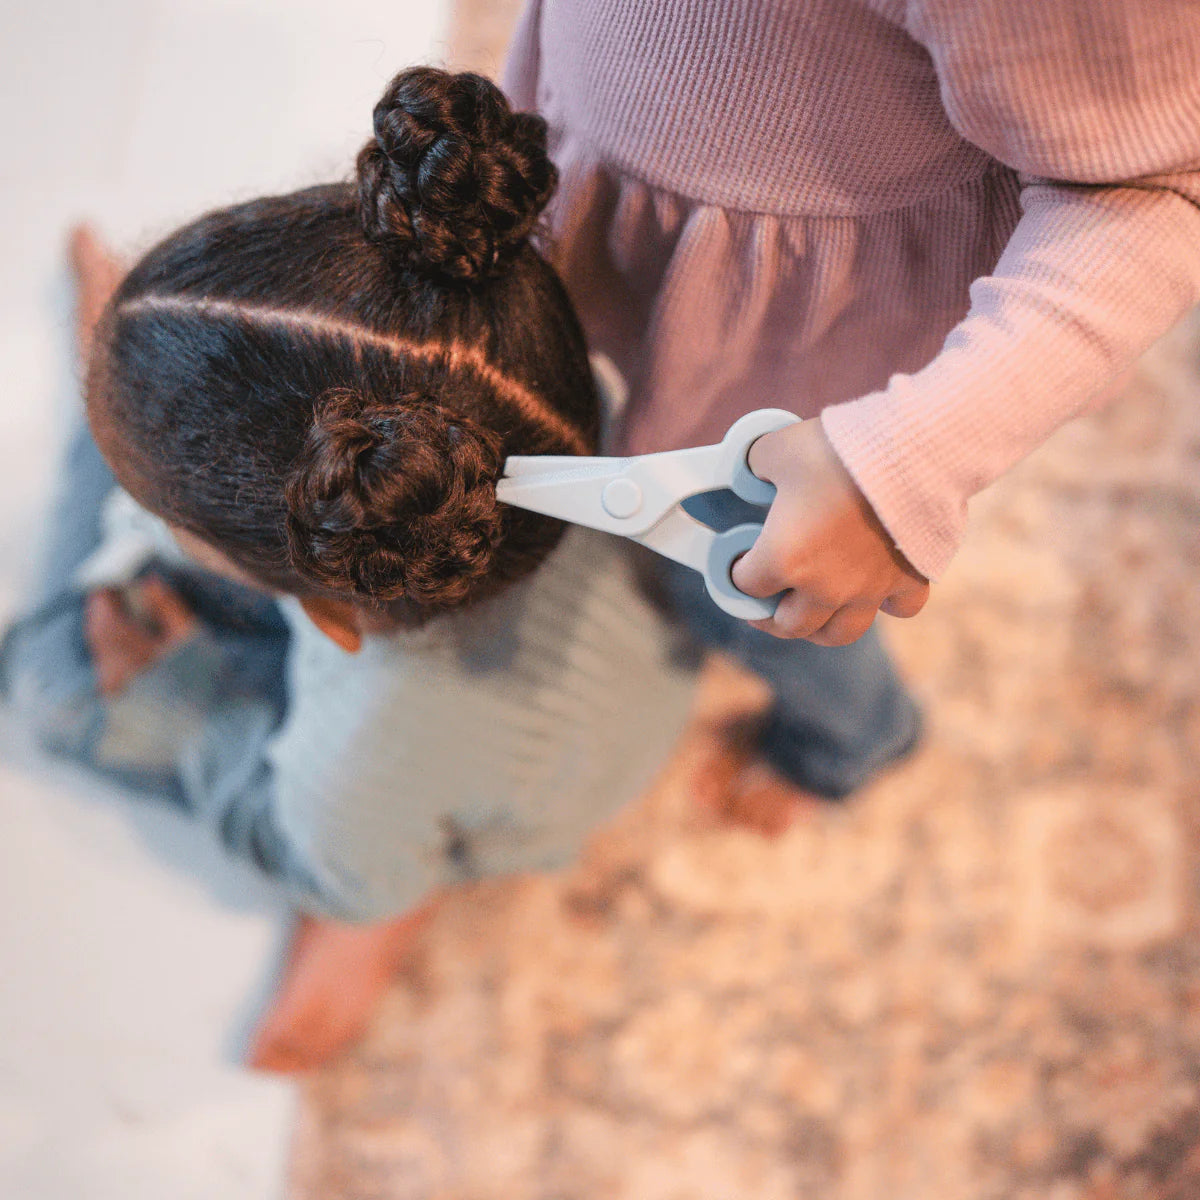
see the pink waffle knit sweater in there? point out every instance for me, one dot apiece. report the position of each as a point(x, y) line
point(946, 226)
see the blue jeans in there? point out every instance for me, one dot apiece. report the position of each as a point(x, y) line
point(839, 714)
point(46, 671)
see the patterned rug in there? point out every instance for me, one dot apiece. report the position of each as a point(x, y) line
point(979, 980)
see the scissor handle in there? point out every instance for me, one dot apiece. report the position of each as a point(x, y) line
point(742, 434)
point(727, 547)
point(718, 575)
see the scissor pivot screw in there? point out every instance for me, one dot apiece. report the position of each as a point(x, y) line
point(621, 498)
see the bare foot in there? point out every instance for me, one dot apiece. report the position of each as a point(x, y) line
point(762, 800)
point(97, 272)
point(335, 976)
point(737, 788)
point(129, 629)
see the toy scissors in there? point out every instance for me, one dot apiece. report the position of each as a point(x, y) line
point(641, 498)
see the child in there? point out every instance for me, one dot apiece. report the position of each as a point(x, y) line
point(316, 394)
point(943, 227)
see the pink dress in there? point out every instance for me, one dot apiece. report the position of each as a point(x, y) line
point(946, 226)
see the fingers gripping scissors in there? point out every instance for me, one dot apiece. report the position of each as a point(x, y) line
point(641, 498)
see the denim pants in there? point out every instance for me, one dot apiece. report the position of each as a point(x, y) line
point(838, 715)
point(46, 671)
point(477, 747)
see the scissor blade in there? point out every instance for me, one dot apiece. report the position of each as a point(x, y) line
point(523, 466)
point(572, 494)
point(575, 489)
point(681, 538)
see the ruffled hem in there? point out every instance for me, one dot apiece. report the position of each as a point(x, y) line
point(710, 313)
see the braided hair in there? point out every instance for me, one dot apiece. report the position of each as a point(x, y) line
point(324, 385)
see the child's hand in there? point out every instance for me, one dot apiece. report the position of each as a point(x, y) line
point(822, 542)
point(129, 630)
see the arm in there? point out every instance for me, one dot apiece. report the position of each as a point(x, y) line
point(1097, 106)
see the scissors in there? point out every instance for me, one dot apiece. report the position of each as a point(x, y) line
point(641, 498)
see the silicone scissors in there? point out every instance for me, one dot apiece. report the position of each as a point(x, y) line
point(641, 498)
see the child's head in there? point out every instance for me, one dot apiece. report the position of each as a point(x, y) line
point(324, 386)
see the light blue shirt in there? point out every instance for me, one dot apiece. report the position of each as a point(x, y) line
point(490, 741)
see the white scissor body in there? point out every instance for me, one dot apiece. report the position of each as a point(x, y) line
point(640, 497)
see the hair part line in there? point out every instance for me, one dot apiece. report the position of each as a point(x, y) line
point(455, 355)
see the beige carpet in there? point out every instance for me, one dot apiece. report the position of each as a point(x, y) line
point(980, 980)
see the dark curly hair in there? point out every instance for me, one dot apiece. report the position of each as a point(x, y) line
point(454, 180)
point(324, 385)
point(399, 499)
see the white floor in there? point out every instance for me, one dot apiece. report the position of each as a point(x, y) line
point(132, 957)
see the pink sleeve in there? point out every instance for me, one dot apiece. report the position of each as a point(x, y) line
point(1097, 104)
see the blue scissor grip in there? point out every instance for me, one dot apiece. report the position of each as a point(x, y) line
point(742, 434)
point(718, 575)
point(727, 546)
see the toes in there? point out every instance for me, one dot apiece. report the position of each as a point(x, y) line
point(90, 257)
point(97, 273)
point(305, 1035)
point(764, 802)
point(278, 1057)
point(728, 747)
point(334, 979)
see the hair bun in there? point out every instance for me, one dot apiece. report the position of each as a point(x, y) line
point(396, 500)
point(454, 181)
